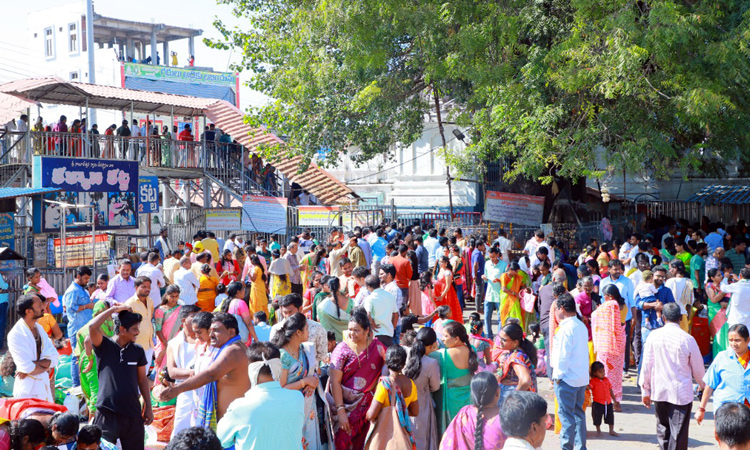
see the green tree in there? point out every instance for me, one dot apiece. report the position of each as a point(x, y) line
point(546, 83)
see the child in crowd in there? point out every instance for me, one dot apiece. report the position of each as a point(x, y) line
point(428, 295)
point(482, 345)
point(647, 292)
point(262, 329)
point(602, 395)
point(221, 294)
point(536, 338)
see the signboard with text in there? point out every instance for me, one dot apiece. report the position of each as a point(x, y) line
point(180, 75)
point(78, 250)
point(110, 186)
point(223, 219)
point(263, 214)
point(514, 208)
point(318, 215)
point(148, 195)
point(7, 231)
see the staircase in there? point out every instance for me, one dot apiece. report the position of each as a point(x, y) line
point(228, 174)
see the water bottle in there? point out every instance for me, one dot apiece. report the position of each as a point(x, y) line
point(71, 402)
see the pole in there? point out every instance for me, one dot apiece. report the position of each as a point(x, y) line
point(90, 50)
point(93, 238)
point(62, 237)
point(445, 150)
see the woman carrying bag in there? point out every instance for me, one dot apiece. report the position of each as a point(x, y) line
point(394, 401)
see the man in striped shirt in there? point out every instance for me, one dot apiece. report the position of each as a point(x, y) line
point(671, 361)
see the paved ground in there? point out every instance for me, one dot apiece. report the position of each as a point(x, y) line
point(635, 424)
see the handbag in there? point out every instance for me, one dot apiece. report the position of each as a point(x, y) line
point(528, 300)
point(387, 433)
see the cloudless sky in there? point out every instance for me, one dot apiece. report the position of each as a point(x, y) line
point(198, 14)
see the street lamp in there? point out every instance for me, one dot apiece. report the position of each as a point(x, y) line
point(65, 207)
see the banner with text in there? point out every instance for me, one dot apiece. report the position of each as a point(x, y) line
point(110, 187)
point(514, 208)
point(180, 75)
point(223, 219)
point(318, 215)
point(264, 214)
point(78, 250)
point(148, 194)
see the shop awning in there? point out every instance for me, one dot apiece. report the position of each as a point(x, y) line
point(719, 194)
point(24, 192)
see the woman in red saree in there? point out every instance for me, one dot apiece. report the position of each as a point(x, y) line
point(445, 294)
point(356, 366)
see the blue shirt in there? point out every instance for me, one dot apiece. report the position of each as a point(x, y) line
point(391, 234)
point(263, 331)
point(424, 259)
point(378, 248)
point(430, 244)
point(627, 291)
point(477, 259)
point(252, 421)
point(664, 295)
point(713, 240)
point(730, 382)
point(3, 285)
point(76, 296)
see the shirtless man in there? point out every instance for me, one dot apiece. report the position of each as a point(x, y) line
point(228, 370)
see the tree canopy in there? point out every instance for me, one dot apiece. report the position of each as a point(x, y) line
point(648, 85)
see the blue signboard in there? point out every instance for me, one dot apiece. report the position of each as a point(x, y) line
point(110, 186)
point(148, 195)
point(7, 231)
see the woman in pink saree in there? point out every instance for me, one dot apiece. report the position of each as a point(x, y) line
point(167, 324)
point(608, 335)
point(460, 434)
point(356, 366)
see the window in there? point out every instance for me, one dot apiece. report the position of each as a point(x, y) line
point(49, 43)
point(72, 38)
point(73, 76)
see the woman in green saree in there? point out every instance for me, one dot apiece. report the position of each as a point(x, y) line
point(334, 311)
point(717, 311)
point(458, 363)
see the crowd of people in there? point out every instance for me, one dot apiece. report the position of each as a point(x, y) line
point(366, 340)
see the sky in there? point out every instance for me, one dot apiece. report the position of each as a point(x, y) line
point(198, 14)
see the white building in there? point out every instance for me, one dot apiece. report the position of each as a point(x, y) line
point(414, 176)
point(57, 42)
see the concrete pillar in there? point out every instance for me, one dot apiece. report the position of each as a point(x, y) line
point(130, 48)
point(206, 192)
point(154, 46)
point(165, 59)
point(191, 46)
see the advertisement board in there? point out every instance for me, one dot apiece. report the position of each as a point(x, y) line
point(7, 231)
point(148, 195)
point(263, 214)
point(514, 208)
point(78, 250)
point(110, 186)
point(318, 215)
point(180, 75)
point(224, 219)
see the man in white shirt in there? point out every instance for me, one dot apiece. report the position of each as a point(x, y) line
point(570, 364)
point(387, 277)
point(381, 309)
point(739, 304)
point(431, 244)
point(230, 244)
point(523, 419)
point(22, 126)
point(533, 244)
point(187, 281)
point(504, 245)
point(154, 274)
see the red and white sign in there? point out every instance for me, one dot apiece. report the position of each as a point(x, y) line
point(514, 208)
point(78, 250)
